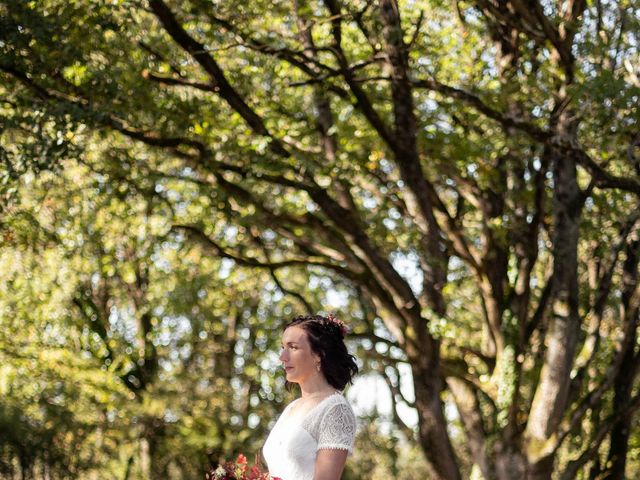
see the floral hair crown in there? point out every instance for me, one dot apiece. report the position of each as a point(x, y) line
point(333, 321)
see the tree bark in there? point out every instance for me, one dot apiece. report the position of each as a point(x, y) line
point(469, 410)
point(623, 386)
point(550, 399)
point(145, 458)
point(423, 350)
point(432, 425)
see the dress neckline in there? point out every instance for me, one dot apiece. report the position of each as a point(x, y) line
point(289, 416)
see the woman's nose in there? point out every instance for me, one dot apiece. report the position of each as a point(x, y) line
point(282, 355)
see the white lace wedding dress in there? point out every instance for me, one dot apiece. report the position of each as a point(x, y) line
point(291, 448)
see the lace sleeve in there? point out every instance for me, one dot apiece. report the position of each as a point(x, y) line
point(337, 428)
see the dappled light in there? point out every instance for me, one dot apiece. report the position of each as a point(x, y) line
point(457, 181)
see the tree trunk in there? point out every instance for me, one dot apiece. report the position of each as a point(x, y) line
point(469, 410)
point(46, 465)
point(617, 457)
point(618, 449)
point(424, 357)
point(510, 464)
point(145, 459)
point(127, 471)
point(550, 399)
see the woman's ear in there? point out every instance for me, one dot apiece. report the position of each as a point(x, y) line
point(316, 357)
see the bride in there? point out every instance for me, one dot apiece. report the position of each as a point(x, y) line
point(316, 432)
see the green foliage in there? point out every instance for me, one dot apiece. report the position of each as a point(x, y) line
point(158, 226)
point(72, 375)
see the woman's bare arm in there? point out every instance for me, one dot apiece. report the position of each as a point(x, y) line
point(329, 464)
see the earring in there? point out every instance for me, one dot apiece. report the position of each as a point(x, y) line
point(318, 366)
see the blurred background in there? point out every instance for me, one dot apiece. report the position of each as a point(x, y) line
point(457, 181)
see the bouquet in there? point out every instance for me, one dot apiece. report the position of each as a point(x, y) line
point(238, 470)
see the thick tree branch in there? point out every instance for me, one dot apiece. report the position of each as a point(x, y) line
point(345, 220)
point(180, 81)
point(474, 101)
point(148, 137)
point(394, 391)
point(471, 414)
point(199, 52)
point(363, 103)
point(602, 179)
point(591, 344)
point(420, 190)
point(595, 442)
point(595, 396)
point(273, 271)
point(197, 234)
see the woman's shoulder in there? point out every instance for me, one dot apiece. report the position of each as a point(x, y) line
point(334, 411)
point(337, 427)
point(337, 398)
point(336, 407)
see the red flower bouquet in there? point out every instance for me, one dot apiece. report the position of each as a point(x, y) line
point(238, 470)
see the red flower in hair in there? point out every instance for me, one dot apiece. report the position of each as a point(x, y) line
point(339, 323)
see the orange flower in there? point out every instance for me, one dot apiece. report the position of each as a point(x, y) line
point(238, 470)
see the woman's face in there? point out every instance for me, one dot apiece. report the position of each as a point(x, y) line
point(299, 361)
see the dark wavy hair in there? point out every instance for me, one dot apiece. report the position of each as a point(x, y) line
point(326, 337)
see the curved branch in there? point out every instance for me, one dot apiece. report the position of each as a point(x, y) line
point(598, 436)
point(504, 119)
point(199, 52)
point(197, 234)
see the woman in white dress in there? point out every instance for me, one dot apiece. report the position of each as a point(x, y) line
point(316, 432)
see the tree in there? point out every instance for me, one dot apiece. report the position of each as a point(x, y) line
point(491, 146)
point(124, 354)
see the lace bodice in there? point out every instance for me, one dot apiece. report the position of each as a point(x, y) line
point(292, 445)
